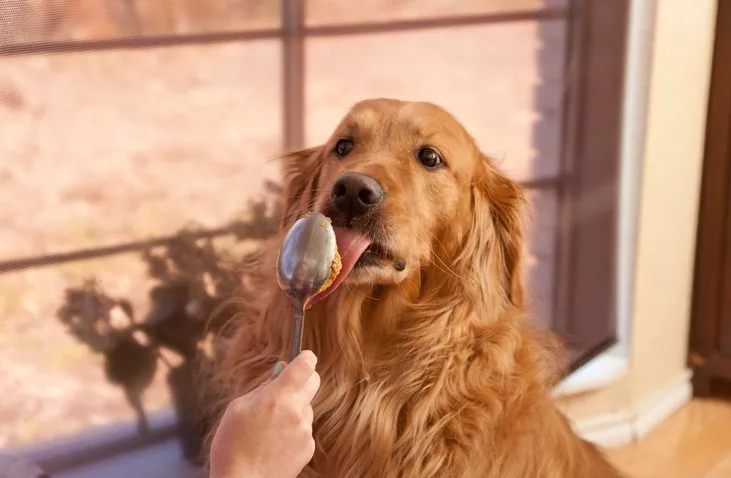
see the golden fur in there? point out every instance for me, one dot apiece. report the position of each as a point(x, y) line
point(434, 371)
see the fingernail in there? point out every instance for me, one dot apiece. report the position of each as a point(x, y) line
point(278, 368)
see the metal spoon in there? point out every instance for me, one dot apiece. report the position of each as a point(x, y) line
point(303, 267)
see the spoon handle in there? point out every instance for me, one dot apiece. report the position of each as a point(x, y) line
point(298, 327)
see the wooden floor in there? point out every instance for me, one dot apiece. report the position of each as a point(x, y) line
point(694, 443)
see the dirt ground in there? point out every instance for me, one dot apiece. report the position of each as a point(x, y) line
point(98, 148)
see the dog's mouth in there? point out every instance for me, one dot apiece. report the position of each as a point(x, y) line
point(357, 250)
point(373, 255)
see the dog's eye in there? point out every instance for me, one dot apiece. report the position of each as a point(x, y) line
point(343, 147)
point(430, 158)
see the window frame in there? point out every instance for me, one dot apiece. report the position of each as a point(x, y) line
point(587, 243)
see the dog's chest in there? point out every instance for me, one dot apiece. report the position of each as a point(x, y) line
point(389, 428)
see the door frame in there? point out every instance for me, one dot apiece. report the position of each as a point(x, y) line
point(710, 331)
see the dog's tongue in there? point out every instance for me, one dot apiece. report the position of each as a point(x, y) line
point(351, 246)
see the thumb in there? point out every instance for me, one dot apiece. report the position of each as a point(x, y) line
point(296, 373)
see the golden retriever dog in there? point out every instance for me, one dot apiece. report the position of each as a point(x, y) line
point(430, 366)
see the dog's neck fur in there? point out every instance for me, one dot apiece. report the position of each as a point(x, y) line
point(389, 355)
point(363, 326)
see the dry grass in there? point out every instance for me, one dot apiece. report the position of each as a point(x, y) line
point(103, 147)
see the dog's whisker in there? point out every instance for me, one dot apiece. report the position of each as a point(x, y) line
point(434, 257)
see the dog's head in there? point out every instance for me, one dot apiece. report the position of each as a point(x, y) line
point(407, 190)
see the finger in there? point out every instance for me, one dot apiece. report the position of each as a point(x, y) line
point(310, 388)
point(296, 373)
point(309, 415)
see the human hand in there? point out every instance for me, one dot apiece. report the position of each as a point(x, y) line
point(267, 433)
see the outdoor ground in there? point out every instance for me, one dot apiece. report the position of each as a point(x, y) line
point(98, 148)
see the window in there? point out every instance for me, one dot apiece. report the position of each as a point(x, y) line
point(126, 120)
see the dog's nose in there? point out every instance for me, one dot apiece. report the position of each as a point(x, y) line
point(355, 193)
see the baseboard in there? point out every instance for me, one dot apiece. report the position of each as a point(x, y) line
point(622, 427)
point(601, 371)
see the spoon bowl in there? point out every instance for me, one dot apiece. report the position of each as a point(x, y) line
point(304, 265)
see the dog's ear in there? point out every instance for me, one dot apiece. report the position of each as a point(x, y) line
point(496, 236)
point(300, 174)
